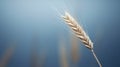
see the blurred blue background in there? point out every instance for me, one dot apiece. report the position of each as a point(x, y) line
point(37, 25)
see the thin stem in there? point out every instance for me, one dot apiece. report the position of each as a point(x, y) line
point(96, 58)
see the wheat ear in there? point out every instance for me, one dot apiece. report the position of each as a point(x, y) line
point(80, 33)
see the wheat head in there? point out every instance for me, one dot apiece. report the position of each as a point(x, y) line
point(80, 33)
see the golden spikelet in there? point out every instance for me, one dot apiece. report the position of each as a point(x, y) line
point(80, 33)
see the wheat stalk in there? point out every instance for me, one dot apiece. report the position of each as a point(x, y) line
point(80, 33)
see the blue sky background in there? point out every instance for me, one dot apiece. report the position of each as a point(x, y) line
point(23, 21)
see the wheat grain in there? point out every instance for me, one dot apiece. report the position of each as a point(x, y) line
point(80, 33)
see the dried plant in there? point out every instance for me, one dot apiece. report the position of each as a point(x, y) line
point(36, 59)
point(74, 49)
point(63, 55)
point(80, 33)
point(7, 56)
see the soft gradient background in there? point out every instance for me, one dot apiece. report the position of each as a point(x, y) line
point(37, 23)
